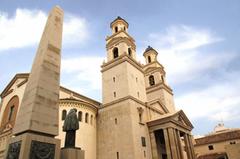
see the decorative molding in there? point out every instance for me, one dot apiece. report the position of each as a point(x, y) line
point(131, 98)
point(117, 40)
point(159, 86)
point(41, 150)
point(14, 150)
point(17, 76)
point(22, 83)
point(80, 104)
point(119, 60)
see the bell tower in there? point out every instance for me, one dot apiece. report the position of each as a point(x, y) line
point(122, 75)
point(120, 42)
point(120, 129)
point(155, 81)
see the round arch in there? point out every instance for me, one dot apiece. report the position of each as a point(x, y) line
point(10, 112)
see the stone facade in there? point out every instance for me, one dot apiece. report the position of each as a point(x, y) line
point(137, 118)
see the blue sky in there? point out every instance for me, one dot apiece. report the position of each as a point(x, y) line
point(197, 42)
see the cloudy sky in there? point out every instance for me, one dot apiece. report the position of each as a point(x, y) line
point(197, 42)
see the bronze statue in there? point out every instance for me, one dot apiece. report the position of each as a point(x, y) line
point(70, 126)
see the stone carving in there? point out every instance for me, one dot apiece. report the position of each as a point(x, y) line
point(14, 150)
point(41, 150)
point(70, 126)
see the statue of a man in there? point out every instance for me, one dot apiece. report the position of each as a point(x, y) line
point(70, 126)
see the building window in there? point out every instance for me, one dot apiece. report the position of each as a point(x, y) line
point(149, 59)
point(124, 28)
point(114, 79)
point(116, 121)
point(144, 154)
point(91, 120)
point(117, 155)
point(114, 94)
point(136, 79)
point(140, 112)
point(210, 147)
point(138, 94)
point(64, 114)
point(116, 29)
point(115, 52)
point(143, 141)
point(140, 117)
point(86, 118)
point(79, 116)
point(129, 52)
point(151, 80)
point(10, 113)
point(232, 142)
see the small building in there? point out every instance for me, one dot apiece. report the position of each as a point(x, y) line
point(222, 143)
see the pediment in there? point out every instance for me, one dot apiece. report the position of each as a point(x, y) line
point(17, 81)
point(157, 104)
point(179, 119)
point(182, 119)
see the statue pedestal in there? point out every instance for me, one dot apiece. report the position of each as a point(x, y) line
point(72, 153)
point(33, 146)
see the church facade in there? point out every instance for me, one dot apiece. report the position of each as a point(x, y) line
point(137, 118)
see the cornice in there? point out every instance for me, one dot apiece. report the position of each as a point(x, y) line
point(115, 34)
point(157, 87)
point(17, 76)
point(119, 60)
point(118, 40)
point(71, 102)
point(130, 98)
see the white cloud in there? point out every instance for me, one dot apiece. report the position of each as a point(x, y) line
point(26, 26)
point(84, 72)
point(178, 48)
point(217, 102)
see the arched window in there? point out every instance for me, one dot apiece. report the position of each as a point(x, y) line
point(86, 118)
point(116, 29)
point(11, 113)
point(64, 114)
point(114, 79)
point(79, 116)
point(149, 59)
point(114, 94)
point(91, 120)
point(151, 80)
point(124, 28)
point(115, 52)
point(129, 52)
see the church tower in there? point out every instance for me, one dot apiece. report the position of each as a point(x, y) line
point(159, 94)
point(121, 131)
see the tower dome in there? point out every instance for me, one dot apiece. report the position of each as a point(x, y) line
point(119, 24)
point(150, 54)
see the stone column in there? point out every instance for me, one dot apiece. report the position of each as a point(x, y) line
point(187, 145)
point(173, 143)
point(190, 139)
point(153, 145)
point(167, 144)
point(37, 120)
point(180, 144)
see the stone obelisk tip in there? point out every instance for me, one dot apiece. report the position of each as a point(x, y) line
point(58, 8)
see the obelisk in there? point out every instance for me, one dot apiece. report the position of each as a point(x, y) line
point(37, 120)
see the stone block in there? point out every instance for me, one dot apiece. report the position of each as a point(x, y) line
point(33, 146)
point(72, 153)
